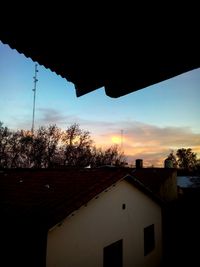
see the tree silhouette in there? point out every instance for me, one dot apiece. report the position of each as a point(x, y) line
point(51, 147)
point(186, 158)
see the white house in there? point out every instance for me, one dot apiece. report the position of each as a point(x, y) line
point(120, 227)
point(77, 218)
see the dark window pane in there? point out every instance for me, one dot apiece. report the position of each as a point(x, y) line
point(112, 256)
point(149, 239)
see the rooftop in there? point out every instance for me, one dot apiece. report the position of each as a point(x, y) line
point(51, 195)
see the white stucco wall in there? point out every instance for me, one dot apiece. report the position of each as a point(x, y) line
point(80, 240)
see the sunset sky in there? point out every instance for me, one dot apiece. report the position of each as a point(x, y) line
point(146, 124)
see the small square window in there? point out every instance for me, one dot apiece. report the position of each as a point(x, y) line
point(149, 239)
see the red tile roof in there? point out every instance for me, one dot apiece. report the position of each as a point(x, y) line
point(49, 196)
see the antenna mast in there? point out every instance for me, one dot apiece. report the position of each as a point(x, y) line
point(35, 80)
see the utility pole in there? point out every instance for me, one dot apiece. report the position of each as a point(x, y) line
point(35, 80)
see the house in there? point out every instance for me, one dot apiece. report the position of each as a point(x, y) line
point(161, 181)
point(79, 217)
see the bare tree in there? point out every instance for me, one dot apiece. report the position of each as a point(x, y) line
point(50, 147)
point(110, 156)
point(76, 146)
point(4, 145)
point(48, 140)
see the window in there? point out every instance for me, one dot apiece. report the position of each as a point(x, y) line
point(149, 239)
point(112, 255)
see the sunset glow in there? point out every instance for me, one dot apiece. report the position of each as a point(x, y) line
point(146, 124)
point(116, 140)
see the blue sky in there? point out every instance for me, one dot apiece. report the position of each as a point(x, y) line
point(154, 121)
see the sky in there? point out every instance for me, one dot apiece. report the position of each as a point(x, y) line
point(146, 124)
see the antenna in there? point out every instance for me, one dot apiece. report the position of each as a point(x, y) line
point(35, 80)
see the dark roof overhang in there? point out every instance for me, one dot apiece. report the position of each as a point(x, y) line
point(121, 55)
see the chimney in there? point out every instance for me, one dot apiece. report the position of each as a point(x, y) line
point(139, 163)
point(168, 163)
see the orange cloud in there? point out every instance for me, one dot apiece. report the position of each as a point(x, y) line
point(151, 143)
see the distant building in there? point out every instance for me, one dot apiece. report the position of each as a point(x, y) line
point(188, 184)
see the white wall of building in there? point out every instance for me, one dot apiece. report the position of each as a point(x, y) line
point(80, 239)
